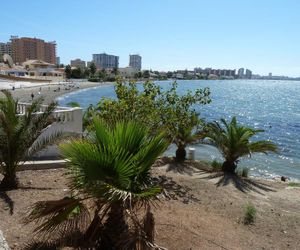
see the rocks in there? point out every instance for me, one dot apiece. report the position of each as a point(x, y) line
point(3, 243)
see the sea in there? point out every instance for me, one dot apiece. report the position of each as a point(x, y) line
point(273, 106)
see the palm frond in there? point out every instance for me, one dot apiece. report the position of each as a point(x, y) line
point(59, 216)
point(42, 142)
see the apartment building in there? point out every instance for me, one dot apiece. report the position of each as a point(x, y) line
point(78, 63)
point(26, 48)
point(105, 61)
point(135, 61)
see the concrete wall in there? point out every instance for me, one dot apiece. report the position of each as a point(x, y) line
point(67, 120)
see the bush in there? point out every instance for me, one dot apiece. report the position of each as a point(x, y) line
point(216, 166)
point(93, 80)
point(294, 184)
point(250, 214)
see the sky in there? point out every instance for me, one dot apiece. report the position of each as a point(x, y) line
point(262, 35)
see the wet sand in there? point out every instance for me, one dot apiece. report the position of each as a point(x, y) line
point(50, 91)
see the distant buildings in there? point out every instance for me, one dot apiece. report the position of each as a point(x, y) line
point(135, 61)
point(26, 48)
point(105, 61)
point(248, 74)
point(38, 69)
point(57, 60)
point(128, 72)
point(241, 73)
point(78, 63)
point(222, 73)
point(5, 48)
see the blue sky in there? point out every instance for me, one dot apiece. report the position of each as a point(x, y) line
point(262, 35)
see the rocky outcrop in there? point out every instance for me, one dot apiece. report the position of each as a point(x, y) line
point(3, 243)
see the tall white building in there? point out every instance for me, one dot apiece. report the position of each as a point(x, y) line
point(248, 74)
point(135, 61)
point(241, 73)
point(105, 61)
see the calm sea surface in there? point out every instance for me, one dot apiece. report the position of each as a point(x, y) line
point(270, 105)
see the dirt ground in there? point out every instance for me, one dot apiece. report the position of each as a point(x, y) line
point(201, 211)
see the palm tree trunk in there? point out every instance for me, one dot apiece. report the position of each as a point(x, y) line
point(9, 182)
point(180, 153)
point(115, 228)
point(229, 167)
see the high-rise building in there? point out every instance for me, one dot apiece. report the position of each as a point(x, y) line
point(135, 61)
point(57, 60)
point(241, 72)
point(5, 48)
point(105, 61)
point(248, 74)
point(78, 63)
point(26, 48)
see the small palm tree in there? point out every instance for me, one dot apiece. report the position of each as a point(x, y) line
point(19, 134)
point(110, 169)
point(233, 141)
point(184, 137)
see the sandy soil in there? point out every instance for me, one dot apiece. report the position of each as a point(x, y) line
point(48, 93)
point(201, 212)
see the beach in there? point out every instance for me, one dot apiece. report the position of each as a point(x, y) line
point(50, 91)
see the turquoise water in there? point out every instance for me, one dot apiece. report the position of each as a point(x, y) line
point(270, 105)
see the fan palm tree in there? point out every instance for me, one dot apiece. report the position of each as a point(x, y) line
point(233, 141)
point(111, 170)
point(184, 137)
point(19, 134)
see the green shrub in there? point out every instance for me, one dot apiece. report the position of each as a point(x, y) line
point(294, 184)
point(93, 80)
point(250, 213)
point(216, 166)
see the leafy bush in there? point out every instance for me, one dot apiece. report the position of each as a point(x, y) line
point(93, 80)
point(250, 213)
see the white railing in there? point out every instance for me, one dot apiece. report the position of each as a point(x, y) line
point(60, 114)
point(66, 119)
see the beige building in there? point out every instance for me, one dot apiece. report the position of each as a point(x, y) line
point(128, 72)
point(26, 48)
point(78, 63)
point(42, 70)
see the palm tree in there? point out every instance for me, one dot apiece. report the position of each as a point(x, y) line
point(19, 134)
point(184, 137)
point(233, 141)
point(110, 169)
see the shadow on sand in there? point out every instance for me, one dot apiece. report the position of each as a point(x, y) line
point(10, 203)
point(241, 183)
point(173, 190)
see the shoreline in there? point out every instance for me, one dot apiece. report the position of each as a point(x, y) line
point(50, 91)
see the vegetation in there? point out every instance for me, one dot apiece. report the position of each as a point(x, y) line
point(110, 172)
point(294, 184)
point(233, 141)
point(250, 213)
point(216, 166)
point(68, 71)
point(93, 69)
point(158, 109)
point(19, 136)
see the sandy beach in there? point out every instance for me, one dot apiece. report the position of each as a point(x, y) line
point(50, 91)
